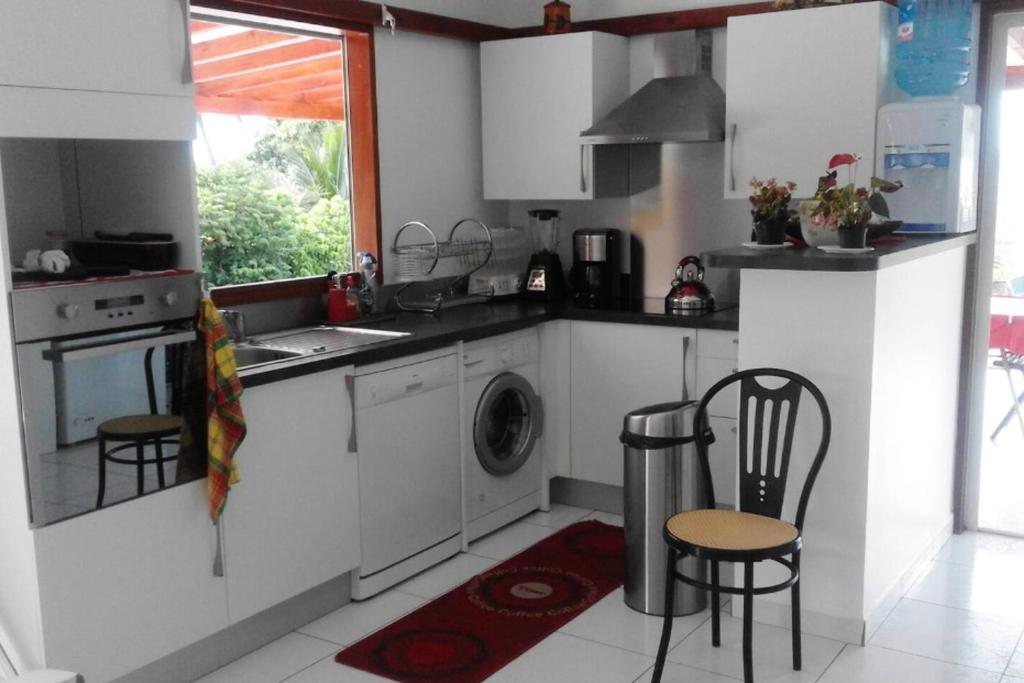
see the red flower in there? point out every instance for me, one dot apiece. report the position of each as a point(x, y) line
point(842, 160)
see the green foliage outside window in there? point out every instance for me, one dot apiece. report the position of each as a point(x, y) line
point(283, 212)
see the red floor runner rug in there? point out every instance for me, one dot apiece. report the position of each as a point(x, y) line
point(474, 630)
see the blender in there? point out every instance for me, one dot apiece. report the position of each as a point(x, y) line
point(544, 279)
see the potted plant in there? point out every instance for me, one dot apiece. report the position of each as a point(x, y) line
point(845, 209)
point(769, 203)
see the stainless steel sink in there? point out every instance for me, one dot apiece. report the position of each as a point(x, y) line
point(247, 355)
point(326, 338)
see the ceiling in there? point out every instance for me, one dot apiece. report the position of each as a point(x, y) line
point(250, 71)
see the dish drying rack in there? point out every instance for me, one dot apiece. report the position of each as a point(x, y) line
point(416, 263)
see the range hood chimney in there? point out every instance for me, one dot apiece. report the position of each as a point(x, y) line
point(672, 107)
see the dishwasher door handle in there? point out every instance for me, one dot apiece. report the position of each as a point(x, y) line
point(350, 385)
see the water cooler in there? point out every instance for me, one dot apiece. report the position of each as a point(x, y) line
point(932, 147)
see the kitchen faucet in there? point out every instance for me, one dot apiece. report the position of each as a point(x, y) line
point(235, 322)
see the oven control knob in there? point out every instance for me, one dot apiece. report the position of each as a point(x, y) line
point(169, 298)
point(67, 311)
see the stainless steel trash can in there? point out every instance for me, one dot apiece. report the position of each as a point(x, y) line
point(662, 477)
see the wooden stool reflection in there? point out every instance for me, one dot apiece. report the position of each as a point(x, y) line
point(138, 431)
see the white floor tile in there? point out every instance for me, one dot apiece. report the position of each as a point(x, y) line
point(988, 588)
point(1016, 665)
point(1011, 679)
point(329, 671)
point(274, 662)
point(606, 517)
point(772, 652)
point(677, 673)
point(558, 517)
point(973, 548)
point(567, 659)
point(504, 543)
point(445, 576)
point(878, 665)
point(949, 634)
point(611, 622)
point(357, 619)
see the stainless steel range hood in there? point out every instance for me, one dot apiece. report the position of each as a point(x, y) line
point(674, 108)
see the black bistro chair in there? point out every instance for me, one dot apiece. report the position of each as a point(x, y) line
point(755, 532)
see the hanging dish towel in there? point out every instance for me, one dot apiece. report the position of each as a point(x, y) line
point(225, 427)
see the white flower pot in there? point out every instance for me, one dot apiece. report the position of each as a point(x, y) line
point(815, 235)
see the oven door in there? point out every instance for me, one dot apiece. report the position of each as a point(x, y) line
point(68, 388)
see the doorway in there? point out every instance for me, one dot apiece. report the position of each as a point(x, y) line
point(996, 472)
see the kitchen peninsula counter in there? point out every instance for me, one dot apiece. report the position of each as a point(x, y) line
point(880, 334)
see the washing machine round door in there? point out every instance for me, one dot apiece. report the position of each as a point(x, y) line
point(507, 423)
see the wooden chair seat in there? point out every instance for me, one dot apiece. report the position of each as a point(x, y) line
point(720, 532)
point(132, 427)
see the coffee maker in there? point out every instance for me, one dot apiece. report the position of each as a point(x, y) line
point(595, 274)
point(544, 279)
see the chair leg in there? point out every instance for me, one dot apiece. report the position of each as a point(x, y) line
point(140, 467)
point(716, 607)
point(159, 462)
point(102, 446)
point(748, 622)
point(795, 601)
point(666, 624)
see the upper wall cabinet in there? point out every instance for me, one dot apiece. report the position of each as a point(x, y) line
point(801, 86)
point(96, 68)
point(538, 94)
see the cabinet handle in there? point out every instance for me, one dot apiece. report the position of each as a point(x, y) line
point(218, 557)
point(186, 69)
point(732, 157)
point(686, 348)
point(472, 363)
point(415, 386)
point(350, 386)
point(583, 170)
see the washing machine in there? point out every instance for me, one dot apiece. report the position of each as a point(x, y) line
point(503, 474)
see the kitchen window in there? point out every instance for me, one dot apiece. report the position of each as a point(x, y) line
point(285, 149)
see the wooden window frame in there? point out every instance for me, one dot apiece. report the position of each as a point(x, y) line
point(364, 160)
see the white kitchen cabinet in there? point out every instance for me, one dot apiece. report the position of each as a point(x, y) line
point(801, 86)
point(556, 395)
point(119, 46)
point(722, 459)
point(102, 69)
point(537, 95)
point(616, 368)
point(126, 585)
point(711, 370)
point(292, 522)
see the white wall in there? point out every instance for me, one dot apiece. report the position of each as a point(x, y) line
point(20, 619)
point(428, 132)
point(914, 390)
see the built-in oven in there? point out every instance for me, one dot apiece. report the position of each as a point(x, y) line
point(100, 372)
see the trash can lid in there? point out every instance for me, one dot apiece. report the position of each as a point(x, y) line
point(661, 421)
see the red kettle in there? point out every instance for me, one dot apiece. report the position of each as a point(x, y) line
point(689, 295)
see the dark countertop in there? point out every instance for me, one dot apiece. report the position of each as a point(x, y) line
point(810, 258)
point(478, 321)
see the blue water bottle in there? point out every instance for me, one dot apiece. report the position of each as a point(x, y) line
point(933, 46)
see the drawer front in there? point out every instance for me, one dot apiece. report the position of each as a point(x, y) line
point(718, 344)
point(709, 371)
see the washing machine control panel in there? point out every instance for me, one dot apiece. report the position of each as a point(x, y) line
point(517, 351)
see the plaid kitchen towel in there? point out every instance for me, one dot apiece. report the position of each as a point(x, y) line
point(225, 427)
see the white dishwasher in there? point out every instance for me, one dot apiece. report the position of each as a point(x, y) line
point(407, 436)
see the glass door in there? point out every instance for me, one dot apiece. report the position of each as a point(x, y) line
point(995, 470)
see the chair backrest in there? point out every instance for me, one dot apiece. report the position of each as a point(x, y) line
point(767, 422)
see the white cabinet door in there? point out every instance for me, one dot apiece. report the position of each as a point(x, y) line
point(801, 86)
point(124, 586)
point(718, 344)
point(117, 46)
point(537, 95)
point(292, 522)
point(722, 458)
point(711, 370)
point(556, 395)
point(617, 368)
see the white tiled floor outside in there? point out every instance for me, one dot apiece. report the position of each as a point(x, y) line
point(962, 622)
